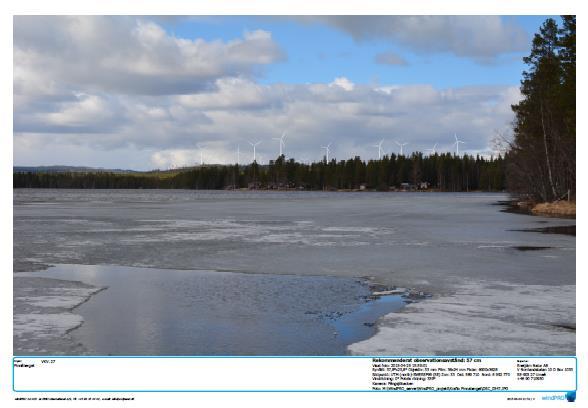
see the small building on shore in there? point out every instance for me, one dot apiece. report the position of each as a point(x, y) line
point(407, 186)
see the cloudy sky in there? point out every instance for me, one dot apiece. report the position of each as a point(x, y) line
point(155, 92)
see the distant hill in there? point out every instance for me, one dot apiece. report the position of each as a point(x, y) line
point(66, 169)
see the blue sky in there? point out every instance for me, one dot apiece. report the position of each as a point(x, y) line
point(319, 53)
point(145, 92)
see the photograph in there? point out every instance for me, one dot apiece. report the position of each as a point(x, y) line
point(294, 185)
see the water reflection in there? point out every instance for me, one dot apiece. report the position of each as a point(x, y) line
point(148, 311)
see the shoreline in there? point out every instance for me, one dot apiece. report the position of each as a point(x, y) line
point(275, 190)
point(556, 209)
point(564, 209)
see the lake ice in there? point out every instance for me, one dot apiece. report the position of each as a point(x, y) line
point(487, 296)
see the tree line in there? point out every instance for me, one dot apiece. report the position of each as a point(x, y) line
point(542, 158)
point(443, 172)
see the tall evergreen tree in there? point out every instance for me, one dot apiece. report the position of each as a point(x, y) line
point(542, 158)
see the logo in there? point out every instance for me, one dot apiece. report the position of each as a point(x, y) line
point(571, 396)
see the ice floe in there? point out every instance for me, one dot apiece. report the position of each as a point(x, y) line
point(43, 314)
point(481, 318)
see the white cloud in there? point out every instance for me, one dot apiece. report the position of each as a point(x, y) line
point(77, 113)
point(164, 131)
point(121, 92)
point(233, 93)
point(343, 83)
point(176, 158)
point(166, 159)
point(482, 38)
point(127, 55)
point(87, 109)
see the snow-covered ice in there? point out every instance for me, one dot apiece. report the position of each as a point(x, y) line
point(43, 314)
point(481, 318)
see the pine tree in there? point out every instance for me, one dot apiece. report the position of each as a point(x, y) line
point(542, 157)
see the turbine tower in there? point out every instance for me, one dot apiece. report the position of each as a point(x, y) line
point(380, 150)
point(457, 142)
point(327, 150)
point(281, 141)
point(201, 157)
point(254, 146)
point(238, 154)
point(401, 147)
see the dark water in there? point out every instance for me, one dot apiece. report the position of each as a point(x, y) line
point(149, 311)
point(558, 229)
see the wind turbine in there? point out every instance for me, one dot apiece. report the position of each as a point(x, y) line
point(238, 154)
point(327, 150)
point(201, 157)
point(281, 141)
point(457, 142)
point(401, 146)
point(380, 150)
point(433, 150)
point(254, 145)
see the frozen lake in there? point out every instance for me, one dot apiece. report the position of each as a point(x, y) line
point(489, 297)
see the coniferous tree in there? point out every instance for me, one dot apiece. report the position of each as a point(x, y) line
point(444, 172)
point(542, 159)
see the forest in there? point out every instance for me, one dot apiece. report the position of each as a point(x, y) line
point(442, 172)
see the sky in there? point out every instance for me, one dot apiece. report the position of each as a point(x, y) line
point(162, 92)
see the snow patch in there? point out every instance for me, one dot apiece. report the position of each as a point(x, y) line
point(481, 318)
point(34, 326)
point(42, 315)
